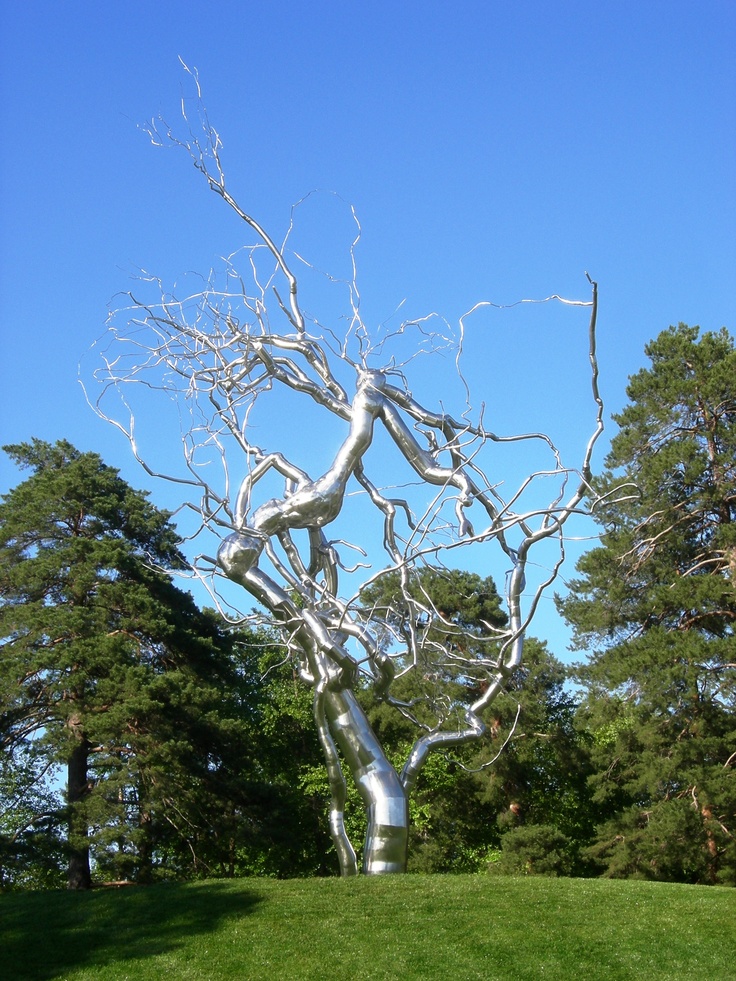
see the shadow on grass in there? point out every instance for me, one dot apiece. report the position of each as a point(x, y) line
point(43, 935)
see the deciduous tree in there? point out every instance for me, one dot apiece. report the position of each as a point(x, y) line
point(531, 765)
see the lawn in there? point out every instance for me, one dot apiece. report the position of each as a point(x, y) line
point(396, 927)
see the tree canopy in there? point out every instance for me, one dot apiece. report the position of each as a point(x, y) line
point(530, 768)
point(188, 747)
point(655, 607)
point(108, 672)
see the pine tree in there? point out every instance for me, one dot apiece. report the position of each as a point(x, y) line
point(109, 672)
point(655, 605)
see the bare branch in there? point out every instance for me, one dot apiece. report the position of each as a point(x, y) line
point(235, 360)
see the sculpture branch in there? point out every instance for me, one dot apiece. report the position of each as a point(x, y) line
point(236, 360)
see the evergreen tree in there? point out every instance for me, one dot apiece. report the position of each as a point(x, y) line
point(110, 672)
point(540, 779)
point(655, 605)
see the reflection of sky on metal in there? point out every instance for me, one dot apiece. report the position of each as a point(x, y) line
point(149, 355)
point(427, 357)
point(496, 154)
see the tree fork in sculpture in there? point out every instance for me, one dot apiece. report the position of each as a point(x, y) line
point(378, 784)
point(230, 355)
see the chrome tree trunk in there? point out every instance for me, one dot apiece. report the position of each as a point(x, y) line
point(242, 359)
point(384, 797)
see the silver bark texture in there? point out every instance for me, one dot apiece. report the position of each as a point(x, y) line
point(283, 531)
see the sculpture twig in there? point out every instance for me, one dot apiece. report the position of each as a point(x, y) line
point(222, 352)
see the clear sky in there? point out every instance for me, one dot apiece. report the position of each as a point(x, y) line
point(492, 151)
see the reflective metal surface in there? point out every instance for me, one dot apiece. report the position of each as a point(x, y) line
point(319, 624)
point(224, 352)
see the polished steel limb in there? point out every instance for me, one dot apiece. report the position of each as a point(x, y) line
point(223, 351)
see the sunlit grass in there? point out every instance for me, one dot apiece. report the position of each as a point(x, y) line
point(401, 927)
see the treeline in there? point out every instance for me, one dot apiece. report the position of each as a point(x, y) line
point(142, 739)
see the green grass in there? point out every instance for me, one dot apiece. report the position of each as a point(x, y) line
point(401, 927)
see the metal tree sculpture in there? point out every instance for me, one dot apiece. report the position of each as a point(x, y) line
point(222, 352)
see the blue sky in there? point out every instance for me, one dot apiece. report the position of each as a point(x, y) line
point(492, 151)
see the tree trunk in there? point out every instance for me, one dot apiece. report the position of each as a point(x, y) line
point(78, 874)
point(145, 847)
point(378, 784)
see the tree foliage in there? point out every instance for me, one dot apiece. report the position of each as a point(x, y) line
point(535, 849)
point(109, 675)
point(656, 606)
point(531, 765)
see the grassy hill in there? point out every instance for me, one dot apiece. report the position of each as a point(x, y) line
point(398, 927)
